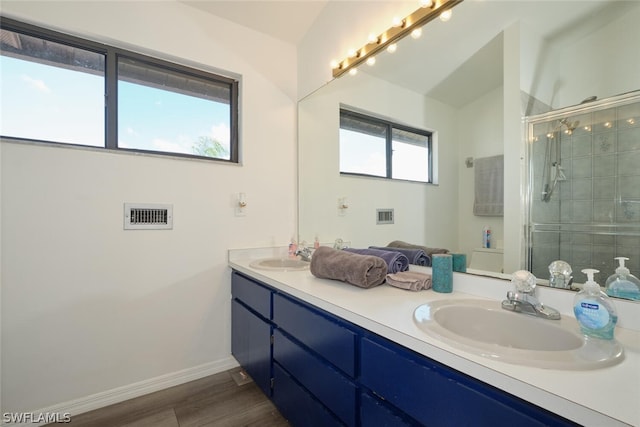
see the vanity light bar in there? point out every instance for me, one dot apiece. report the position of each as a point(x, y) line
point(417, 19)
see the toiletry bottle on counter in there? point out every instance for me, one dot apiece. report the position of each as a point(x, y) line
point(622, 283)
point(486, 237)
point(293, 248)
point(594, 310)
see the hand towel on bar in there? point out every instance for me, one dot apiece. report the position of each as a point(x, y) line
point(410, 280)
point(415, 256)
point(427, 250)
point(364, 271)
point(396, 261)
point(489, 186)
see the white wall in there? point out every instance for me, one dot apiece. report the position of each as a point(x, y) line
point(513, 132)
point(419, 209)
point(600, 61)
point(604, 63)
point(480, 134)
point(341, 26)
point(88, 307)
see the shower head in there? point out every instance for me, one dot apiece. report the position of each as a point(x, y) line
point(571, 126)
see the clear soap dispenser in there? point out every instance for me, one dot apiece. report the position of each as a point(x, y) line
point(622, 283)
point(594, 310)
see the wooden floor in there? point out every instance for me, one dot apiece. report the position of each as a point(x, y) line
point(212, 401)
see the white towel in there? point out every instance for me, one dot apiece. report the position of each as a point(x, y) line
point(489, 186)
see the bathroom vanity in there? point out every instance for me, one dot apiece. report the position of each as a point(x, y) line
point(328, 353)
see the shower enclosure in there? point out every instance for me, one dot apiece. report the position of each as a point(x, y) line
point(583, 185)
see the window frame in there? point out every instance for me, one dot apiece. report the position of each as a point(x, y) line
point(390, 125)
point(112, 55)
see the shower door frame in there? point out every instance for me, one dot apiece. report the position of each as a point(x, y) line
point(528, 186)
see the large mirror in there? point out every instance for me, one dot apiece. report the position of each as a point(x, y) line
point(470, 81)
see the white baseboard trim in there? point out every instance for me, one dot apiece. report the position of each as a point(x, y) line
point(120, 394)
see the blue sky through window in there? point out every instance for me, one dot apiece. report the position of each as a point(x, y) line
point(161, 120)
point(63, 105)
point(49, 103)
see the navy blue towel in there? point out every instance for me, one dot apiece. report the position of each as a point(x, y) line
point(415, 256)
point(395, 260)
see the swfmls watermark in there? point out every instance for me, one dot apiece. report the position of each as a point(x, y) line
point(35, 417)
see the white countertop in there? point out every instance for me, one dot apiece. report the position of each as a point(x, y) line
point(600, 397)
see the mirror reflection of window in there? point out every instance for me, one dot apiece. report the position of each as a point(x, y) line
point(375, 147)
point(410, 150)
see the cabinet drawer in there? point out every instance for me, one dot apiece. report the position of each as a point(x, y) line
point(296, 405)
point(255, 296)
point(438, 396)
point(320, 332)
point(374, 414)
point(324, 382)
point(251, 344)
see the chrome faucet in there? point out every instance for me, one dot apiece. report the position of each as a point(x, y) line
point(560, 275)
point(305, 253)
point(523, 299)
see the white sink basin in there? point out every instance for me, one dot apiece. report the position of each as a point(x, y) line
point(280, 264)
point(482, 327)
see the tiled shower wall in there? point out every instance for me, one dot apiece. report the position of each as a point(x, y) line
point(593, 214)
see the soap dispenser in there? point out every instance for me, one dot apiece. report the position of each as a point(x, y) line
point(622, 283)
point(594, 310)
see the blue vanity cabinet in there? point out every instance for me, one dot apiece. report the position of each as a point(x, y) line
point(433, 394)
point(374, 412)
point(297, 405)
point(321, 370)
point(318, 350)
point(251, 329)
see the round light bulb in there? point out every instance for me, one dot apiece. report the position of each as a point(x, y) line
point(351, 53)
point(416, 33)
point(353, 71)
point(334, 63)
point(392, 48)
point(426, 3)
point(373, 38)
point(396, 22)
point(446, 15)
point(371, 60)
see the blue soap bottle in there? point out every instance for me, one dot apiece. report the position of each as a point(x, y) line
point(622, 283)
point(594, 310)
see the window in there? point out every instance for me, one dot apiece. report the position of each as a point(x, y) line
point(61, 89)
point(375, 147)
point(51, 91)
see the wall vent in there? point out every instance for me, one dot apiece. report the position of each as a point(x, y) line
point(148, 216)
point(384, 216)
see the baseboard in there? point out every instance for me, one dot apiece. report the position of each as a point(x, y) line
point(120, 394)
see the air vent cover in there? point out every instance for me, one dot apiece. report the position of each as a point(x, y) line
point(384, 216)
point(147, 216)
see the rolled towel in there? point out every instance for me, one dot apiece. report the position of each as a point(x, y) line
point(410, 280)
point(395, 260)
point(365, 271)
point(415, 256)
point(427, 250)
